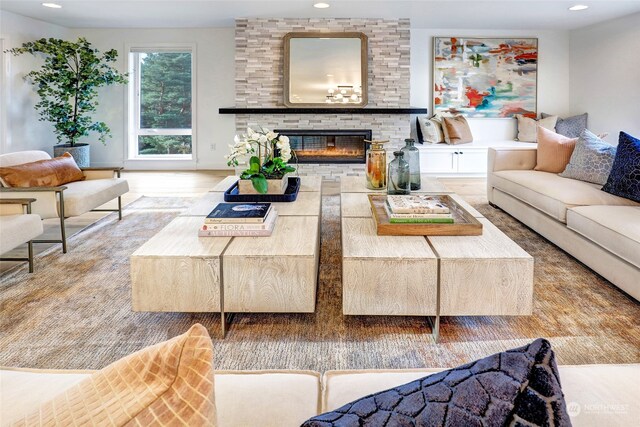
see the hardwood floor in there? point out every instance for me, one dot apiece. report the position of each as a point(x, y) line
point(193, 184)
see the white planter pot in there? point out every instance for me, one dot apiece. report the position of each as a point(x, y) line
point(274, 186)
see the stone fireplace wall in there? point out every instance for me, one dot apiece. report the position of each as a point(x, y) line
point(259, 79)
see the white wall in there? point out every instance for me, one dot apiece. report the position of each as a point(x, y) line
point(553, 74)
point(25, 131)
point(605, 75)
point(214, 89)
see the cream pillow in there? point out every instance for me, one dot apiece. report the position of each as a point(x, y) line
point(170, 383)
point(554, 151)
point(431, 130)
point(527, 127)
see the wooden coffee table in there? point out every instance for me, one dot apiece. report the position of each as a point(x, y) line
point(435, 276)
point(177, 271)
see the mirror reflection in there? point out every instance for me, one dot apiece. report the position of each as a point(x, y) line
point(326, 70)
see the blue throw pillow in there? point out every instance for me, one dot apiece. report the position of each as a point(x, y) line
point(571, 127)
point(624, 179)
point(591, 160)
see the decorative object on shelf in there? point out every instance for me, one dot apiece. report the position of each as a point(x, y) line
point(412, 157)
point(399, 176)
point(485, 77)
point(67, 84)
point(376, 165)
point(268, 164)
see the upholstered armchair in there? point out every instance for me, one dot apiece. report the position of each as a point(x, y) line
point(18, 226)
point(100, 186)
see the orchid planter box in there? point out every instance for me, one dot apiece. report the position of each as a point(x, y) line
point(274, 186)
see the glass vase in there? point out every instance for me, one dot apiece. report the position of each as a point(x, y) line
point(412, 156)
point(399, 178)
point(376, 166)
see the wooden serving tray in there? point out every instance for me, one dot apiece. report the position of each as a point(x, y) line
point(464, 223)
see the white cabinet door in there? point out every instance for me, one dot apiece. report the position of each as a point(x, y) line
point(438, 162)
point(471, 161)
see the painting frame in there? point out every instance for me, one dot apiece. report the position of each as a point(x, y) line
point(531, 81)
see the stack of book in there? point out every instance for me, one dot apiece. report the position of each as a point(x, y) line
point(239, 219)
point(417, 209)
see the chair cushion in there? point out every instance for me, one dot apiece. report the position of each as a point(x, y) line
point(615, 228)
point(20, 157)
point(18, 229)
point(266, 398)
point(82, 196)
point(42, 173)
point(554, 151)
point(553, 194)
point(596, 395)
point(591, 159)
point(170, 383)
point(624, 179)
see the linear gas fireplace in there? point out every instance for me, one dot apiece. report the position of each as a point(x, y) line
point(328, 146)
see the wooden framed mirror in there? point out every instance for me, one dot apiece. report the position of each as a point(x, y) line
point(325, 70)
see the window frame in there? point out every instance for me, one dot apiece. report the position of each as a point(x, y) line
point(133, 106)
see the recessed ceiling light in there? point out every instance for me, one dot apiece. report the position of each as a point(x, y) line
point(321, 5)
point(329, 75)
point(578, 7)
point(52, 5)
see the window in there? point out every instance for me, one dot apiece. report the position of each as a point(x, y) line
point(162, 108)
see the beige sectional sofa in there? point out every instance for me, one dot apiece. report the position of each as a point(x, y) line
point(599, 229)
point(596, 395)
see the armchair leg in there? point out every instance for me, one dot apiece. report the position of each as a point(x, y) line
point(119, 208)
point(63, 233)
point(30, 246)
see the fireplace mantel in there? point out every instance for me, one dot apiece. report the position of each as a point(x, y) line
point(321, 110)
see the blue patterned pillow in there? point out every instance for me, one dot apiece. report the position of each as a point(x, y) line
point(571, 127)
point(591, 160)
point(624, 179)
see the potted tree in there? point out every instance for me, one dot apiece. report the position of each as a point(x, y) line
point(67, 84)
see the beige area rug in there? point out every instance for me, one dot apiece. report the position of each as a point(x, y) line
point(75, 311)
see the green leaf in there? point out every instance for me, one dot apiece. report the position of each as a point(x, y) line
point(259, 183)
point(254, 164)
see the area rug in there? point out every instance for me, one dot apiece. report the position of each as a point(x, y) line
point(75, 311)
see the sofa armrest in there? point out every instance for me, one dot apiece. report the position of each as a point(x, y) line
point(15, 206)
point(46, 198)
point(511, 158)
point(102, 172)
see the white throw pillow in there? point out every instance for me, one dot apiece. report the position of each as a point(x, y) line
point(431, 130)
point(527, 127)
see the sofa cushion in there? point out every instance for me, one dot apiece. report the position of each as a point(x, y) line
point(551, 193)
point(615, 228)
point(624, 179)
point(515, 387)
point(591, 160)
point(18, 229)
point(554, 151)
point(266, 398)
point(169, 383)
point(81, 197)
point(42, 173)
point(527, 127)
point(571, 127)
point(276, 398)
point(596, 395)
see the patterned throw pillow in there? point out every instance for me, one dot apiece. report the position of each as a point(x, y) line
point(624, 179)
point(168, 384)
point(591, 160)
point(429, 130)
point(517, 387)
point(527, 127)
point(571, 127)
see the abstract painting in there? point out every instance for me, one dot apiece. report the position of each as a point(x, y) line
point(485, 77)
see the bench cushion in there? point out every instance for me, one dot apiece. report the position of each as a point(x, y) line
point(82, 196)
point(18, 229)
point(553, 194)
point(615, 228)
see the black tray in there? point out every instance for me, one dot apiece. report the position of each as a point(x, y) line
point(290, 194)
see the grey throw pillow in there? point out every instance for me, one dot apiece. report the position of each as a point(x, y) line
point(591, 160)
point(571, 127)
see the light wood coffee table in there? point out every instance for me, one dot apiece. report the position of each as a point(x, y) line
point(177, 271)
point(485, 275)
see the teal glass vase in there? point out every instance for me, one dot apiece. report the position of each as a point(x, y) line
point(412, 157)
point(398, 178)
